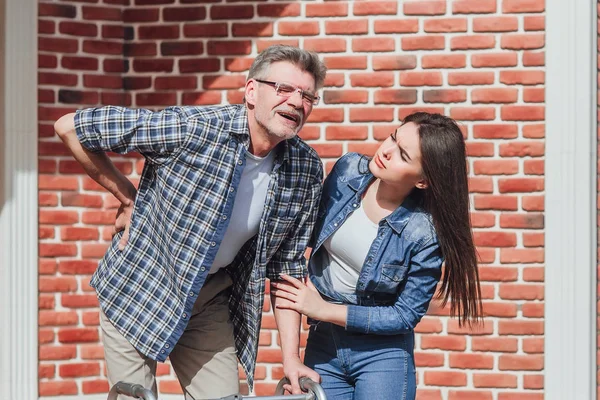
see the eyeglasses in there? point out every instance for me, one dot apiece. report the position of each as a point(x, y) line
point(287, 90)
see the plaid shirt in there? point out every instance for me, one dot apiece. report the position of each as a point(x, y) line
point(194, 160)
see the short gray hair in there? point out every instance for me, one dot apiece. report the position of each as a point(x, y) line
point(305, 60)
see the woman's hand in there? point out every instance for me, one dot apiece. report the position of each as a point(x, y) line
point(303, 298)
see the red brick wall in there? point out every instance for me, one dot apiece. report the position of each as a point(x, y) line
point(480, 61)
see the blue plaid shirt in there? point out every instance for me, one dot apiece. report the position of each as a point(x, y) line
point(194, 160)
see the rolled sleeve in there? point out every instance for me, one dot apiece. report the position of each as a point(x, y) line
point(122, 130)
point(412, 303)
point(289, 258)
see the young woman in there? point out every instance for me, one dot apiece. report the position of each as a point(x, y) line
point(385, 227)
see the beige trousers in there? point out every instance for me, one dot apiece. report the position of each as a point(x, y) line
point(204, 359)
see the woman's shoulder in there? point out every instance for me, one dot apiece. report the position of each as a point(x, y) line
point(350, 165)
point(420, 227)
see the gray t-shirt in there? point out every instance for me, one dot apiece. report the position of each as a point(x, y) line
point(247, 208)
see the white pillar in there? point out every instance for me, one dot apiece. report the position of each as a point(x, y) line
point(571, 173)
point(18, 200)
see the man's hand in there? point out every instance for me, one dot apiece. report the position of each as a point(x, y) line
point(294, 370)
point(303, 298)
point(122, 223)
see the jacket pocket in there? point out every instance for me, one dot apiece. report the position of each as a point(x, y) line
point(392, 276)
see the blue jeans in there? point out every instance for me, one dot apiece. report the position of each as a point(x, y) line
point(355, 366)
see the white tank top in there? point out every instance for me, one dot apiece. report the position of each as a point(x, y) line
point(247, 208)
point(347, 249)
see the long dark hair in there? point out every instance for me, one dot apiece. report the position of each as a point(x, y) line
point(444, 163)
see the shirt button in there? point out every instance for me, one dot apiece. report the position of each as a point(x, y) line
point(162, 351)
point(224, 216)
point(202, 269)
point(192, 293)
point(184, 316)
point(335, 224)
point(231, 190)
point(213, 244)
point(167, 346)
point(240, 162)
point(354, 205)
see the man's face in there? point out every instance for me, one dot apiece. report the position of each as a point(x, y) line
point(280, 115)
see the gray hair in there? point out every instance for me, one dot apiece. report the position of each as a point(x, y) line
point(305, 60)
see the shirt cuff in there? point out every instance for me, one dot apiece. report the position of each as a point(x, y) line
point(84, 128)
point(357, 319)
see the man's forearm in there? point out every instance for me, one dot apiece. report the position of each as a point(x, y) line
point(97, 165)
point(288, 324)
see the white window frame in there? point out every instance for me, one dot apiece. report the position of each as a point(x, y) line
point(18, 200)
point(571, 207)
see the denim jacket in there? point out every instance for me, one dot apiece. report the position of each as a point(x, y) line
point(401, 269)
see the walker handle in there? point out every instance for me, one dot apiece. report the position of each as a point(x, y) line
point(313, 389)
point(130, 389)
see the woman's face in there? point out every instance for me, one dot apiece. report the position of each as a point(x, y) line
point(397, 161)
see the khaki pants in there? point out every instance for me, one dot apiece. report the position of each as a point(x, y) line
point(204, 359)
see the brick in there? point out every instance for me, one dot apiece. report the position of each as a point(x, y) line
point(533, 240)
point(154, 65)
point(194, 65)
point(445, 378)
point(46, 371)
point(81, 200)
point(429, 394)
point(347, 27)
point(522, 221)
point(496, 380)
point(494, 344)
point(201, 98)
point(47, 61)
point(293, 28)
point(469, 395)
point(45, 96)
point(77, 267)
point(403, 112)
point(57, 250)
point(77, 29)
point(444, 61)
point(139, 49)
point(395, 96)
point(255, 29)
point(482, 220)
point(522, 113)
point(533, 59)
point(506, 203)
point(515, 291)
point(495, 239)
point(480, 149)
point(534, 95)
point(522, 6)
point(533, 345)
point(534, 23)
point(262, 44)
point(326, 115)
point(77, 335)
point(231, 12)
point(495, 131)
point(485, 328)
point(372, 79)
point(429, 325)
point(338, 132)
point(345, 96)
point(181, 48)
point(79, 300)
point(279, 10)
point(425, 7)
point(345, 62)
point(533, 382)
point(428, 359)
point(71, 233)
point(495, 24)
point(523, 41)
point(102, 13)
point(372, 114)
point(140, 14)
point(56, 10)
point(522, 149)
point(175, 83)
point(429, 42)
point(455, 343)
point(417, 78)
point(102, 47)
point(229, 47)
point(470, 78)
point(176, 14)
point(534, 131)
point(494, 95)
point(472, 42)
point(151, 32)
point(472, 113)
point(445, 96)
point(379, 44)
point(204, 30)
point(59, 388)
point(516, 256)
point(395, 62)
point(58, 318)
point(510, 362)
point(95, 386)
point(473, 6)
point(440, 25)
point(533, 310)
point(396, 26)
point(75, 370)
point(79, 63)
point(504, 59)
point(471, 361)
point(58, 79)
point(327, 10)
point(375, 8)
point(223, 81)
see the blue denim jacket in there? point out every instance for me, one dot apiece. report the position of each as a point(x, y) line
point(403, 265)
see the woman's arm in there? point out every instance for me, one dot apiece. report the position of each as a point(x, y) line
point(400, 317)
